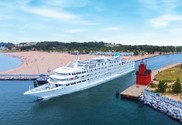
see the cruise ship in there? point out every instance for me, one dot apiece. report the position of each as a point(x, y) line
point(81, 75)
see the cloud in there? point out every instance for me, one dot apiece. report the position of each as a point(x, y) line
point(161, 6)
point(150, 4)
point(37, 26)
point(51, 13)
point(164, 21)
point(58, 14)
point(110, 29)
point(75, 31)
point(5, 17)
point(56, 10)
point(66, 3)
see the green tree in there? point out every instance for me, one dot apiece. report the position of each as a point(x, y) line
point(161, 86)
point(136, 53)
point(176, 88)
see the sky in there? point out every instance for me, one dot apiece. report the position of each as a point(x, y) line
point(128, 22)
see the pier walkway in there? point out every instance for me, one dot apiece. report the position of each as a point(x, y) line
point(20, 77)
point(133, 91)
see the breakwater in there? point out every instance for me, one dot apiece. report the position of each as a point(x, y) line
point(20, 77)
point(163, 104)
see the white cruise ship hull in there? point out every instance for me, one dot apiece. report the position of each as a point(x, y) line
point(43, 93)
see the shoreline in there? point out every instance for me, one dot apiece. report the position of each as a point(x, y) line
point(147, 57)
point(140, 57)
point(38, 62)
point(155, 72)
point(12, 56)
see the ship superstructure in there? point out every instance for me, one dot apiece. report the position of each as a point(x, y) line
point(81, 75)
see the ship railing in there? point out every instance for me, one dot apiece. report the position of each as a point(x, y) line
point(43, 87)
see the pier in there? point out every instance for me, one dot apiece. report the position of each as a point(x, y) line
point(20, 77)
point(133, 91)
point(143, 79)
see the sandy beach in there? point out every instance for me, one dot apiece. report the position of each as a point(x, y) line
point(36, 62)
point(139, 57)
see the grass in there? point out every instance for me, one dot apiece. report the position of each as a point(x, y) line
point(170, 74)
point(8, 51)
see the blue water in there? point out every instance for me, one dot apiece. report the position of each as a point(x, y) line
point(95, 106)
point(8, 62)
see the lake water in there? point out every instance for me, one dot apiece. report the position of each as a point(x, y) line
point(8, 62)
point(95, 106)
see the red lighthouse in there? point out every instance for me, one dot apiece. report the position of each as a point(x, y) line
point(143, 75)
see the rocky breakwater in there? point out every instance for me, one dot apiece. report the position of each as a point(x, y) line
point(163, 104)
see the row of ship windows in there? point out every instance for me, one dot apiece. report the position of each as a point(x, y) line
point(123, 68)
point(105, 67)
point(105, 74)
point(71, 74)
point(77, 73)
point(76, 82)
point(113, 70)
point(96, 69)
point(110, 66)
point(91, 78)
point(109, 63)
point(100, 75)
point(104, 63)
point(110, 69)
